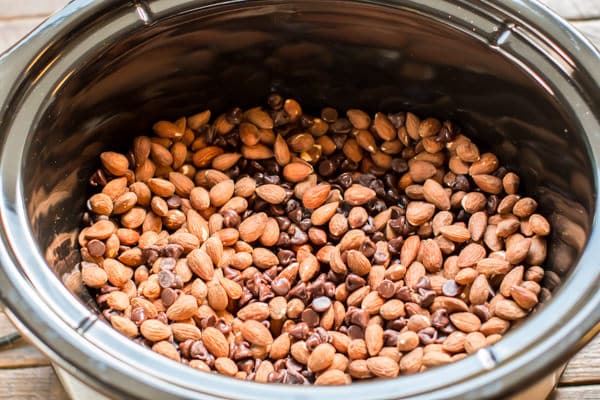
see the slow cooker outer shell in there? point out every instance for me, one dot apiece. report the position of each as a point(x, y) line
point(73, 85)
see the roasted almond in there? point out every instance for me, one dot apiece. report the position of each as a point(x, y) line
point(273, 194)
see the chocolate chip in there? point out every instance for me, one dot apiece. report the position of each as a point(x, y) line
point(321, 304)
point(386, 289)
point(280, 286)
point(96, 248)
point(450, 288)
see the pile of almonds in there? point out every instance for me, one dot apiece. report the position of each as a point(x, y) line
point(276, 246)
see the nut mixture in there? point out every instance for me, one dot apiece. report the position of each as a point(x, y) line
point(275, 246)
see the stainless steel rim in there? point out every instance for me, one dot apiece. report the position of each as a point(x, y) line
point(69, 334)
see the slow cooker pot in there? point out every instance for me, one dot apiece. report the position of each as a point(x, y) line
point(518, 79)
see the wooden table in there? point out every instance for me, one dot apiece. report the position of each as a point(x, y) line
point(26, 374)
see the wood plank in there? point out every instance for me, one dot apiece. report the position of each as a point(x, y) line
point(31, 384)
point(589, 392)
point(11, 31)
point(21, 354)
point(29, 8)
point(584, 367)
point(575, 9)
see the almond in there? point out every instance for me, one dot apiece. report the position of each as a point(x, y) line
point(510, 182)
point(253, 227)
point(487, 164)
point(259, 118)
point(479, 292)
point(419, 212)
point(323, 214)
point(117, 273)
point(471, 255)
point(101, 203)
point(186, 240)
point(358, 263)
point(539, 225)
point(124, 325)
point(273, 194)
point(221, 192)
point(383, 367)
point(509, 310)
point(392, 309)
point(154, 330)
point(257, 311)
point(101, 230)
point(488, 183)
point(204, 157)
point(383, 127)
point(94, 276)
point(308, 267)
point(357, 195)
point(201, 264)
point(451, 304)
point(358, 118)
point(115, 163)
point(184, 307)
point(435, 358)
point(455, 342)
point(524, 207)
point(217, 296)
point(333, 377)
point(256, 333)
point(297, 171)
point(183, 331)
point(435, 193)
point(523, 297)
point(183, 184)
point(281, 151)
point(456, 233)
point(245, 187)
point(421, 170)
point(374, 339)
point(257, 152)
point(431, 255)
point(321, 357)
point(465, 321)
point(477, 225)
point(116, 187)
point(215, 342)
point(493, 266)
point(233, 289)
point(517, 248)
point(372, 303)
point(280, 347)
point(315, 196)
point(168, 130)
point(264, 258)
point(161, 187)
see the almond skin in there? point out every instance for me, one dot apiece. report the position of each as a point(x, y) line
point(357, 195)
point(215, 342)
point(323, 214)
point(273, 194)
point(321, 357)
point(315, 196)
point(383, 367)
point(115, 163)
point(252, 227)
point(256, 333)
point(201, 264)
point(435, 193)
point(418, 212)
point(297, 171)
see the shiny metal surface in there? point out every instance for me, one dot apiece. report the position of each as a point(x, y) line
point(97, 73)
